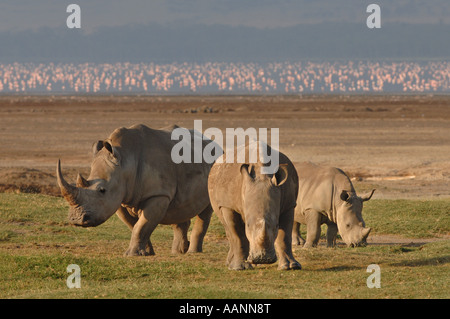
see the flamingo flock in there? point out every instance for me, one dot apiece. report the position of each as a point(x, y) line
point(280, 77)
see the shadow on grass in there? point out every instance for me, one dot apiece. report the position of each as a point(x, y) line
point(424, 262)
point(340, 268)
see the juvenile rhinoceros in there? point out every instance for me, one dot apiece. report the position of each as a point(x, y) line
point(326, 195)
point(256, 210)
point(133, 175)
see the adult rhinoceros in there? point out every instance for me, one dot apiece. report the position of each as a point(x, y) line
point(133, 175)
point(326, 195)
point(256, 209)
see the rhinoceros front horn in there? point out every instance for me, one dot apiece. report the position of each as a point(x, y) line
point(69, 192)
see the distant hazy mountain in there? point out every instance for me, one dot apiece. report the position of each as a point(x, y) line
point(34, 14)
point(201, 42)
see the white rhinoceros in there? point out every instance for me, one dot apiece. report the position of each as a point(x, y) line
point(257, 211)
point(133, 175)
point(326, 195)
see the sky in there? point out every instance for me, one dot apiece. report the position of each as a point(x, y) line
point(222, 30)
point(18, 15)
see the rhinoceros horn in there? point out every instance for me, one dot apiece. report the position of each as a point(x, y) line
point(81, 181)
point(365, 232)
point(69, 192)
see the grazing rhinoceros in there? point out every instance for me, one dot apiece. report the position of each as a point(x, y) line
point(133, 175)
point(257, 211)
point(326, 195)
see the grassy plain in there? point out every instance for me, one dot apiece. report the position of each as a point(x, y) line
point(37, 245)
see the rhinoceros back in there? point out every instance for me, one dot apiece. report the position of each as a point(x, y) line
point(318, 188)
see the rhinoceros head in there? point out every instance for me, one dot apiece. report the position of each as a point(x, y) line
point(350, 222)
point(94, 200)
point(261, 197)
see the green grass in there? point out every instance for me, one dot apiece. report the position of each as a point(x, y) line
point(409, 218)
point(37, 245)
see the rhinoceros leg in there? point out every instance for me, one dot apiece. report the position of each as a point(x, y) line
point(313, 219)
point(180, 242)
point(150, 216)
point(297, 238)
point(283, 243)
point(332, 231)
point(130, 221)
point(199, 231)
point(239, 245)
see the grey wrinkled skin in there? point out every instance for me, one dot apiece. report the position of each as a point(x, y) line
point(133, 175)
point(257, 212)
point(327, 196)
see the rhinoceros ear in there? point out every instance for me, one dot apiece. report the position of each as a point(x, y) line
point(280, 177)
point(248, 171)
point(367, 196)
point(113, 151)
point(96, 147)
point(345, 195)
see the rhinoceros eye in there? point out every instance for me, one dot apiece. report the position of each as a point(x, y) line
point(102, 190)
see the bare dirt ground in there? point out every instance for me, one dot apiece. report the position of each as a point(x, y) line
point(397, 144)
